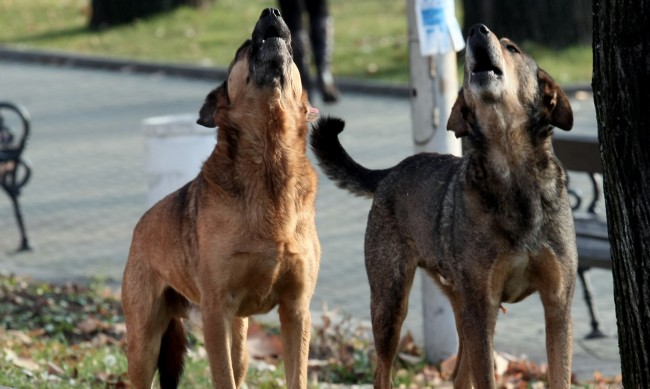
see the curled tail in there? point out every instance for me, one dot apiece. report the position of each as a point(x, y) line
point(172, 352)
point(337, 163)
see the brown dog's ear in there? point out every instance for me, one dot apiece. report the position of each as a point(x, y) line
point(556, 103)
point(209, 108)
point(458, 121)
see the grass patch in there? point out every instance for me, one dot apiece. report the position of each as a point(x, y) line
point(566, 66)
point(371, 36)
point(73, 336)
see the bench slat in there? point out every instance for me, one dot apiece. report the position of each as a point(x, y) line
point(578, 152)
point(591, 227)
point(594, 253)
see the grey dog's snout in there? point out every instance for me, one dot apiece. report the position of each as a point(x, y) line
point(479, 30)
point(479, 35)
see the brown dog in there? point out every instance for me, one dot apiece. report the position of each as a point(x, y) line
point(240, 238)
point(491, 227)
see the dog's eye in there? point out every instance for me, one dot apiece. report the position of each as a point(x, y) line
point(513, 49)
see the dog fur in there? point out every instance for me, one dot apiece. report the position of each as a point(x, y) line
point(240, 238)
point(491, 227)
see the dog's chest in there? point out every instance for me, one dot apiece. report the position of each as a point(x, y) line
point(265, 276)
point(517, 285)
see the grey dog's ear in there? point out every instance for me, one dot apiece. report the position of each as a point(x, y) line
point(556, 103)
point(214, 100)
point(460, 118)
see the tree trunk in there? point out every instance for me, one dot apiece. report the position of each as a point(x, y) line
point(555, 23)
point(621, 94)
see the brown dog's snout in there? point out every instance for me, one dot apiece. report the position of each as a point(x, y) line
point(270, 25)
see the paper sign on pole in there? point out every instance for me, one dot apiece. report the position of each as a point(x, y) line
point(438, 28)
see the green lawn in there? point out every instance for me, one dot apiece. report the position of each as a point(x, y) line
point(73, 336)
point(371, 36)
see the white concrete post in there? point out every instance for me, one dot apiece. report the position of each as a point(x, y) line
point(175, 148)
point(434, 88)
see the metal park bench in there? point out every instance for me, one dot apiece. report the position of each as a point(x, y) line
point(14, 170)
point(581, 153)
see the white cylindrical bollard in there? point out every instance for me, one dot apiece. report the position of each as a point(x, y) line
point(175, 148)
point(434, 88)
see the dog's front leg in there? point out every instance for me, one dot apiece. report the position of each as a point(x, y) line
point(559, 333)
point(239, 351)
point(479, 316)
point(555, 280)
point(295, 322)
point(217, 332)
point(559, 344)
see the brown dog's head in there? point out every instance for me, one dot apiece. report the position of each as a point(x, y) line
point(261, 75)
point(505, 88)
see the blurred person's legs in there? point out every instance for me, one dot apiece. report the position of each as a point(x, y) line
point(321, 35)
point(292, 11)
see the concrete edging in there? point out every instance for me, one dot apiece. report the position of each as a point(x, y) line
point(60, 58)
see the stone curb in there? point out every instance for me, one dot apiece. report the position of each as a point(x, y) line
point(59, 58)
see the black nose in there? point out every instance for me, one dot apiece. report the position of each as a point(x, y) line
point(270, 11)
point(480, 29)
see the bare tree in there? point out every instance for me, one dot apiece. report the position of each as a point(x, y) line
point(621, 45)
point(555, 23)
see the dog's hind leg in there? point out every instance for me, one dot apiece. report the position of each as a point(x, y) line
point(239, 352)
point(461, 376)
point(173, 346)
point(146, 321)
point(390, 273)
point(388, 310)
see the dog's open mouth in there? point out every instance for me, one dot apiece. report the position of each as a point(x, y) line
point(270, 55)
point(483, 64)
point(271, 28)
point(272, 32)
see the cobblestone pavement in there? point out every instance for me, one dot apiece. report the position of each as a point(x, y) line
point(89, 188)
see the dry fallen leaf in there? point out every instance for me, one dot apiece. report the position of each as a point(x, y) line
point(409, 358)
point(262, 344)
point(19, 337)
point(23, 363)
point(407, 344)
point(447, 367)
point(429, 376)
point(89, 325)
point(317, 363)
point(500, 364)
point(53, 369)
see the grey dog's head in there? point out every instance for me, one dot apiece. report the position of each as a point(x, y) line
point(504, 86)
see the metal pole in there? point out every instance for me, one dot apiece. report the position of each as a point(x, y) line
point(434, 87)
